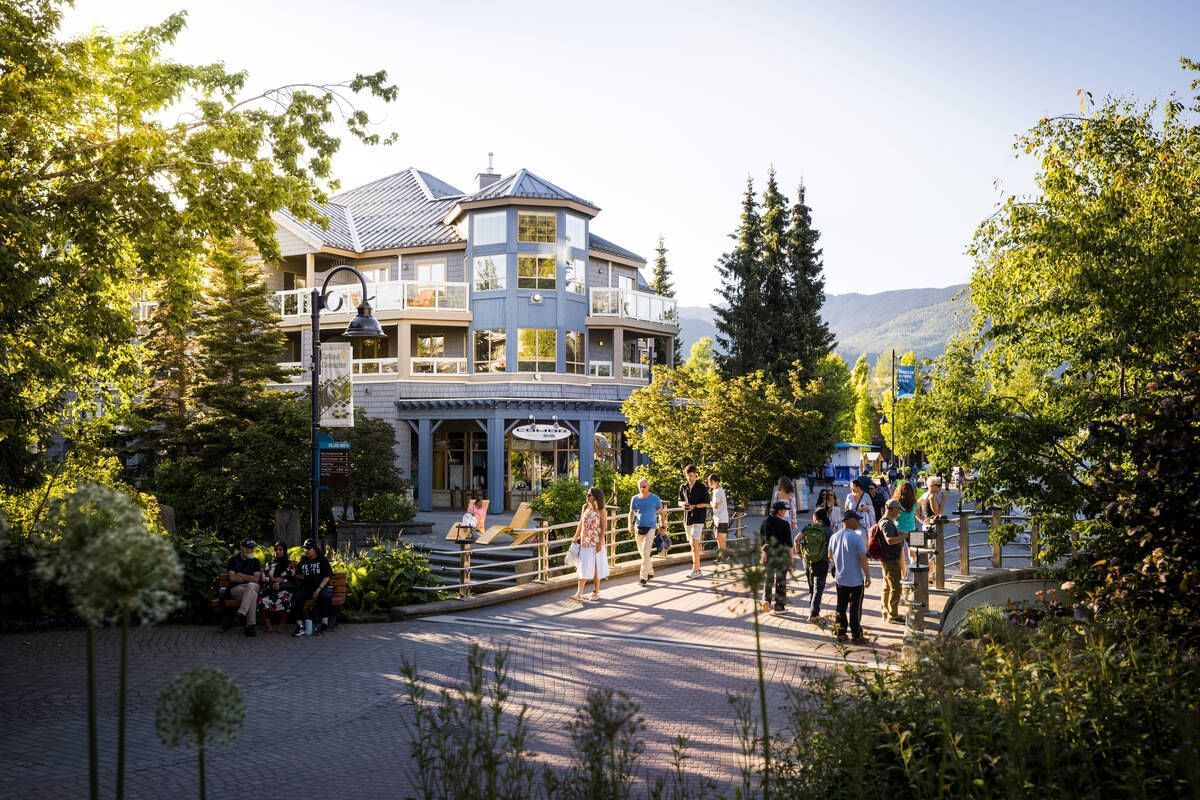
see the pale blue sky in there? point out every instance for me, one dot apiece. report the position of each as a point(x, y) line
point(899, 117)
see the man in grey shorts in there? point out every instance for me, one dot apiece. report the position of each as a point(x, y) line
point(646, 511)
point(693, 496)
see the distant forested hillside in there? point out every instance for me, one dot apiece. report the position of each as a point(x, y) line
point(922, 320)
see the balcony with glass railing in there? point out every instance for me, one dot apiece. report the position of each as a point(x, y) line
point(438, 365)
point(385, 296)
point(361, 367)
point(632, 304)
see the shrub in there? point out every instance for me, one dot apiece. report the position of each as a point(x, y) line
point(385, 507)
point(204, 557)
point(1075, 712)
point(26, 597)
point(560, 500)
point(383, 577)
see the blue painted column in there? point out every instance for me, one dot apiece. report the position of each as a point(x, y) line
point(587, 450)
point(495, 464)
point(425, 463)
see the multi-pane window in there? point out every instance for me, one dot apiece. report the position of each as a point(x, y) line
point(576, 271)
point(536, 349)
point(490, 228)
point(431, 346)
point(576, 232)
point(574, 352)
point(490, 272)
point(375, 274)
point(536, 272)
point(489, 350)
point(536, 227)
point(431, 271)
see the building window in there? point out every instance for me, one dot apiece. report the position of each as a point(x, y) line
point(431, 271)
point(533, 227)
point(576, 232)
point(536, 272)
point(490, 228)
point(537, 349)
point(576, 272)
point(490, 272)
point(489, 350)
point(574, 352)
point(625, 282)
point(376, 274)
point(431, 346)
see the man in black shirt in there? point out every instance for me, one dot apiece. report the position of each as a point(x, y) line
point(693, 496)
point(775, 538)
point(313, 574)
point(245, 576)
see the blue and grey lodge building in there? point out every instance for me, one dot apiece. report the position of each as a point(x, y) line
point(499, 305)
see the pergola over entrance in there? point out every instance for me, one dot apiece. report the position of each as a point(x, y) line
point(497, 417)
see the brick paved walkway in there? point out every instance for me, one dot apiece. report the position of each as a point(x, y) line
point(678, 647)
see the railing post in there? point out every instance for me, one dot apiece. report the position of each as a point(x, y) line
point(1034, 560)
point(997, 548)
point(914, 621)
point(939, 553)
point(543, 556)
point(464, 564)
point(964, 543)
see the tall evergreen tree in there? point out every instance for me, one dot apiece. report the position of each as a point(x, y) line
point(170, 356)
point(244, 452)
point(779, 351)
point(807, 334)
point(661, 284)
point(739, 321)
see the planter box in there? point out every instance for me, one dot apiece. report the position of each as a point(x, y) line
point(358, 535)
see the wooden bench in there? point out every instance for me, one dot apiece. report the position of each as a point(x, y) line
point(520, 519)
point(338, 582)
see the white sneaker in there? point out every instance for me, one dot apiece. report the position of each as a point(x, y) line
point(696, 574)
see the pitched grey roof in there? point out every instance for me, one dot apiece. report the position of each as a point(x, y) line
point(340, 232)
point(524, 183)
point(605, 246)
point(401, 210)
point(407, 209)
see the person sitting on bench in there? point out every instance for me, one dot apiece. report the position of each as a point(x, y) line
point(245, 577)
point(314, 575)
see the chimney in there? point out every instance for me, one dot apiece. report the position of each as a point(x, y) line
point(486, 179)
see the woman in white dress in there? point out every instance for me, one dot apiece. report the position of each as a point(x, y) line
point(593, 561)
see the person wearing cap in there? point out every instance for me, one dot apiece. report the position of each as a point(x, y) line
point(893, 541)
point(314, 574)
point(245, 579)
point(931, 506)
point(775, 539)
point(852, 575)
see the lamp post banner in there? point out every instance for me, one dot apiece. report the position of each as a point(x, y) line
point(336, 393)
point(905, 381)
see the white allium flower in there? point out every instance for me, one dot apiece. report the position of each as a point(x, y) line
point(109, 563)
point(199, 708)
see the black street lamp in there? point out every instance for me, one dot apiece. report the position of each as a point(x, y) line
point(363, 326)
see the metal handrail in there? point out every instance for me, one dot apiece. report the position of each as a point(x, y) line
point(544, 545)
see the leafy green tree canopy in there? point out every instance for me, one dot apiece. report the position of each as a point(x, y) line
point(119, 165)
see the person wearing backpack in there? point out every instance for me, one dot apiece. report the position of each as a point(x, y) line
point(814, 546)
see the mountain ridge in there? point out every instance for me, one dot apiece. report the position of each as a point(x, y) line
point(921, 319)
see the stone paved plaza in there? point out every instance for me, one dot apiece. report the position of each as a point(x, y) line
point(326, 716)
